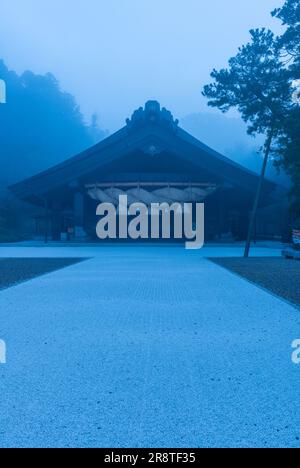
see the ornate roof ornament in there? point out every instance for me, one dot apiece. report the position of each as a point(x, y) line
point(153, 114)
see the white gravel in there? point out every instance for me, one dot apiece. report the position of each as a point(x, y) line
point(154, 347)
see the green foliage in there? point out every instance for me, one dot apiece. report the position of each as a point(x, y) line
point(289, 42)
point(288, 148)
point(256, 83)
point(259, 83)
point(287, 152)
point(40, 125)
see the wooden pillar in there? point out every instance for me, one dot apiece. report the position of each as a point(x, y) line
point(56, 222)
point(78, 208)
point(221, 213)
point(46, 216)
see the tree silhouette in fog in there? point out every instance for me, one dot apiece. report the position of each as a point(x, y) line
point(288, 150)
point(40, 125)
point(257, 84)
point(289, 41)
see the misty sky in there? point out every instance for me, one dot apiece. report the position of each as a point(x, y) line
point(113, 55)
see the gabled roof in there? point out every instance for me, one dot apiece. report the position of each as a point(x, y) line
point(150, 129)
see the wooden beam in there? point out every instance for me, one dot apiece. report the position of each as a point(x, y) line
point(149, 184)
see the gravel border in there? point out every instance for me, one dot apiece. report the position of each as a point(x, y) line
point(15, 271)
point(278, 275)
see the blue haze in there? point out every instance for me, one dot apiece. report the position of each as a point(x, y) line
point(114, 55)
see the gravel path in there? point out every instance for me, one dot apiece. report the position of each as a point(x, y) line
point(147, 348)
point(17, 270)
point(278, 275)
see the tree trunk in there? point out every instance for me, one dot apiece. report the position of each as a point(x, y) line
point(258, 193)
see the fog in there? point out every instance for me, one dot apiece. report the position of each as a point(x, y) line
point(114, 55)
